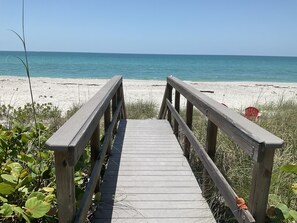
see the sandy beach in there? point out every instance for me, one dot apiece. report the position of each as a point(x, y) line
point(66, 92)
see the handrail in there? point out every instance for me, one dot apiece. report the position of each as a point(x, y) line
point(249, 136)
point(69, 142)
point(256, 141)
point(76, 132)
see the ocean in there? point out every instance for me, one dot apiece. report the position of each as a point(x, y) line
point(152, 67)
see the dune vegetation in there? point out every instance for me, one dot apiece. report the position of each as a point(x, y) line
point(27, 183)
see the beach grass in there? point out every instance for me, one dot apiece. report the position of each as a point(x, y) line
point(141, 109)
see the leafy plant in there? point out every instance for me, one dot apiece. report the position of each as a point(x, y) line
point(26, 174)
point(282, 212)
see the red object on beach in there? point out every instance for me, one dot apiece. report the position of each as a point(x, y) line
point(252, 113)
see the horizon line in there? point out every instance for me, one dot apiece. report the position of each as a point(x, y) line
point(161, 54)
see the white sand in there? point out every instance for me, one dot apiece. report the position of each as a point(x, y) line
point(66, 92)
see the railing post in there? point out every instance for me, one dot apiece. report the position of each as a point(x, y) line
point(65, 188)
point(177, 108)
point(169, 96)
point(114, 107)
point(95, 146)
point(260, 186)
point(211, 142)
point(189, 120)
point(120, 96)
point(163, 107)
point(106, 125)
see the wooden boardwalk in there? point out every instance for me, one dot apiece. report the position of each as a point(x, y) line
point(148, 179)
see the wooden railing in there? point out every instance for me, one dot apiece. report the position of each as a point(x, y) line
point(69, 142)
point(258, 143)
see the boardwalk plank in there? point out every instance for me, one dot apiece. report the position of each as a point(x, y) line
point(149, 180)
point(152, 184)
point(152, 167)
point(163, 204)
point(154, 213)
point(178, 160)
point(116, 198)
point(154, 190)
point(155, 220)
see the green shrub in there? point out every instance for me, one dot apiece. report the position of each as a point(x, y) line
point(45, 113)
point(27, 188)
point(27, 173)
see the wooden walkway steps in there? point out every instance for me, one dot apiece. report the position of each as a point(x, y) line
point(148, 179)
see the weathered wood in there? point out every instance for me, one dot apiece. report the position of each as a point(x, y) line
point(145, 155)
point(154, 220)
point(121, 97)
point(114, 104)
point(149, 178)
point(163, 107)
point(249, 136)
point(150, 173)
point(145, 159)
point(260, 186)
point(158, 184)
point(133, 213)
point(76, 132)
point(124, 104)
point(95, 146)
point(161, 205)
point(106, 125)
point(217, 177)
point(154, 190)
point(149, 167)
point(211, 141)
point(69, 143)
point(189, 120)
point(177, 108)
point(65, 188)
point(118, 197)
point(150, 189)
point(169, 97)
point(114, 107)
point(91, 186)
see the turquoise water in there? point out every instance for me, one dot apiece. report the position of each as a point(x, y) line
point(158, 67)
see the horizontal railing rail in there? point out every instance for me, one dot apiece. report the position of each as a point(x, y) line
point(257, 142)
point(69, 142)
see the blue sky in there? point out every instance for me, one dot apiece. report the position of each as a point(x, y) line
point(220, 27)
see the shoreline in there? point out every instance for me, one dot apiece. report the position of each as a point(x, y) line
point(133, 79)
point(64, 92)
